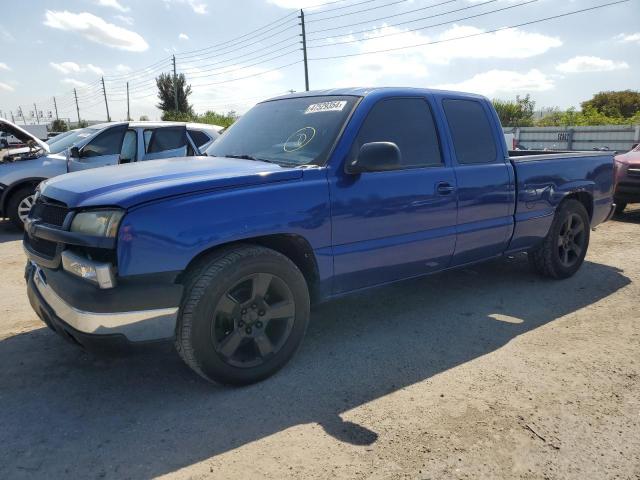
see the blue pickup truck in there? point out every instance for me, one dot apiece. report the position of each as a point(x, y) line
point(307, 197)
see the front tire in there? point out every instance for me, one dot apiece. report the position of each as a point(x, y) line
point(19, 205)
point(243, 316)
point(563, 250)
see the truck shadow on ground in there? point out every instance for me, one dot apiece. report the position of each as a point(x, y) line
point(9, 233)
point(65, 413)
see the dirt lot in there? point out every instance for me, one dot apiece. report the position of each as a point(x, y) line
point(488, 372)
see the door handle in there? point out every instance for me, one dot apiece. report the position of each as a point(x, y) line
point(445, 188)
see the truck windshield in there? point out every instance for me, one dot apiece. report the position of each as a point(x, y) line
point(290, 132)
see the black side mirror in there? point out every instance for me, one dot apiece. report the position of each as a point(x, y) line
point(375, 157)
point(74, 152)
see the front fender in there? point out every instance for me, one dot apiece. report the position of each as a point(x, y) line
point(164, 236)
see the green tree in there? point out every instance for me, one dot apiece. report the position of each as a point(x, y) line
point(59, 126)
point(144, 118)
point(166, 94)
point(518, 113)
point(82, 124)
point(620, 104)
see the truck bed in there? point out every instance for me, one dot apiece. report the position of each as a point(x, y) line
point(529, 155)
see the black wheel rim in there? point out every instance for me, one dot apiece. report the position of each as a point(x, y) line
point(253, 320)
point(571, 240)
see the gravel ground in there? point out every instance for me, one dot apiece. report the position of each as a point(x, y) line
point(487, 372)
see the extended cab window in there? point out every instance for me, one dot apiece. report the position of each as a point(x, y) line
point(409, 124)
point(108, 142)
point(471, 132)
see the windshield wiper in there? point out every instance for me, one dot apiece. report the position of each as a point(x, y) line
point(250, 157)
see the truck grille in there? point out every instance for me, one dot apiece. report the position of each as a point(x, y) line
point(51, 213)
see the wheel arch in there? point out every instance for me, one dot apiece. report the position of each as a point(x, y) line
point(11, 189)
point(585, 198)
point(295, 247)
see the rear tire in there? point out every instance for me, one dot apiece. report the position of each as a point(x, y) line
point(19, 205)
point(243, 316)
point(562, 252)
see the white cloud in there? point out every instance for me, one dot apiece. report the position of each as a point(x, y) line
point(120, 68)
point(504, 44)
point(297, 4)
point(6, 35)
point(94, 69)
point(113, 4)
point(581, 64)
point(125, 19)
point(4, 66)
point(183, 36)
point(503, 81)
point(66, 67)
point(198, 6)
point(72, 67)
point(96, 29)
point(73, 82)
point(628, 38)
point(6, 87)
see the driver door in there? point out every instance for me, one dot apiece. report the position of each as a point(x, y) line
point(102, 150)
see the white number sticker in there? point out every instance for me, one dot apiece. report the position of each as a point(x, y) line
point(336, 106)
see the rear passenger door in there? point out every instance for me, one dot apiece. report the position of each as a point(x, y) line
point(394, 224)
point(486, 196)
point(166, 142)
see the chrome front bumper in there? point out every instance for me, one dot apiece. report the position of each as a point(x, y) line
point(136, 326)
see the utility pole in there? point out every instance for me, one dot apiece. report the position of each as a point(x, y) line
point(77, 107)
point(128, 114)
point(21, 115)
point(55, 106)
point(304, 51)
point(175, 83)
point(35, 110)
point(13, 120)
point(106, 104)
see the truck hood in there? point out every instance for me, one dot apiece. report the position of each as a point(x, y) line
point(131, 184)
point(21, 134)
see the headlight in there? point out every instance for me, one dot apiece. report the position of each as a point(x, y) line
point(98, 223)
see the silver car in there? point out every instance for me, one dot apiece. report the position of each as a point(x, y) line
point(96, 146)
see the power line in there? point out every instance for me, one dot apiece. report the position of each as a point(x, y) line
point(402, 32)
point(367, 10)
point(386, 17)
point(238, 40)
point(339, 8)
point(251, 76)
point(243, 67)
point(532, 22)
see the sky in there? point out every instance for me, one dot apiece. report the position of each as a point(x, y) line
point(235, 53)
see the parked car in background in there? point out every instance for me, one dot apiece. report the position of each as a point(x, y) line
point(627, 179)
point(307, 197)
point(91, 147)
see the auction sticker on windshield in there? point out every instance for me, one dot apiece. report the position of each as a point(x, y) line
point(336, 106)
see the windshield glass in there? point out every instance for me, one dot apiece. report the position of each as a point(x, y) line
point(291, 132)
point(60, 136)
point(71, 139)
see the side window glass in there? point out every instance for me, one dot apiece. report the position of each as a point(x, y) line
point(407, 122)
point(163, 139)
point(108, 142)
point(199, 138)
point(129, 147)
point(147, 138)
point(473, 139)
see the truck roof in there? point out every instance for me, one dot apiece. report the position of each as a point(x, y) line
point(378, 91)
